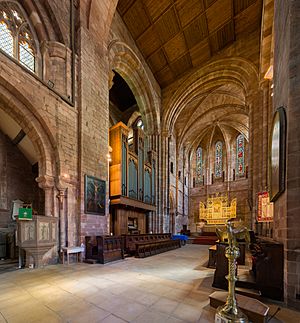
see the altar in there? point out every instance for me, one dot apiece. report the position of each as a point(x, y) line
point(217, 209)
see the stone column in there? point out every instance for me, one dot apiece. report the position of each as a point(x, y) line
point(66, 203)
point(63, 223)
point(162, 202)
point(256, 151)
point(183, 186)
point(266, 99)
point(47, 184)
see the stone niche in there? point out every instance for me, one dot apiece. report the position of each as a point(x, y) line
point(37, 237)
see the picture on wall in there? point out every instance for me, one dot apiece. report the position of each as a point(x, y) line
point(277, 154)
point(94, 195)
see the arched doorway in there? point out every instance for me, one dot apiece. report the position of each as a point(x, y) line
point(27, 172)
point(19, 168)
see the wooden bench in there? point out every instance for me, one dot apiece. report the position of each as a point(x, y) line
point(131, 240)
point(104, 249)
point(72, 250)
point(145, 245)
point(146, 249)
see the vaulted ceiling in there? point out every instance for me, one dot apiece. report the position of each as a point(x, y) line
point(176, 36)
point(218, 108)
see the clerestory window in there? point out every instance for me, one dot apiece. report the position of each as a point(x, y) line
point(16, 38)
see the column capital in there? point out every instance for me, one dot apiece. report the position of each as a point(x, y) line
point(45, 182)
point(165, 133)
point(111, 75)
point(264, 83)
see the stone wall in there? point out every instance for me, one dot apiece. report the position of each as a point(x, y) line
point(286, 93)
point(17, 181)
point(237, 189)
point(93, 126)
point(50, 123)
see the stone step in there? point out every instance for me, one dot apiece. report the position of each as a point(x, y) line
point(253, 293)
point(246, 280)
point(255, 310)
point(90, 261)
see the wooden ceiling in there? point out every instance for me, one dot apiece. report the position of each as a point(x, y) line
point(177, 35)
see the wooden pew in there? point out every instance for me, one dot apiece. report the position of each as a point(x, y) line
point(145, 245)
point(146, 249)
point(104, 249)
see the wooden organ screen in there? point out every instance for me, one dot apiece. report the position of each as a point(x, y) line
point(131, 174)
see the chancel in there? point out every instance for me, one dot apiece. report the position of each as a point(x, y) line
point(131, 131)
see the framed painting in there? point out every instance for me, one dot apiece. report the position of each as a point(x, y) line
point(94, 195)
point(277, 154)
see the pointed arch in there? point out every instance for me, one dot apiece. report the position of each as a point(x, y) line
point(21, 111)
point(104, 9)
point(123, 60)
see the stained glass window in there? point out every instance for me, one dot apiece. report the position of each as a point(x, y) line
point(199, 166)
point(218, 159)
point(15, 35)
point(240, 155)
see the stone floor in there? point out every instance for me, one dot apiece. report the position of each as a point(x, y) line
point(172, 287)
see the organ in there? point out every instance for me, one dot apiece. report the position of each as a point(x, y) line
point(132, 174)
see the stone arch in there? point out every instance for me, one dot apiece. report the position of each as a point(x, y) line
point(123, 60)
point(132, 119)
point(43, 20)
point(104, 9)
point(35, 20)
point(20, 110)
point(236, 70)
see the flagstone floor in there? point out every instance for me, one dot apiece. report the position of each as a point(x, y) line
point(172, 287)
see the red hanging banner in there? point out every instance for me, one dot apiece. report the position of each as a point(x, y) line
point(264, 208)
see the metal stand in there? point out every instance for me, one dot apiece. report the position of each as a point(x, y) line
point(20, 259)
point(230, 312)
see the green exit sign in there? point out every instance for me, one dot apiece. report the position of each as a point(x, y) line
point(25, 214)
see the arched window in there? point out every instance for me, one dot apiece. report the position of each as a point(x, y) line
point(218, 159)
point(199, 166)
point(16, 38)
point(240, 155)
point(140, 124)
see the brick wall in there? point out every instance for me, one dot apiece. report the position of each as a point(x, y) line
point(237, 189)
